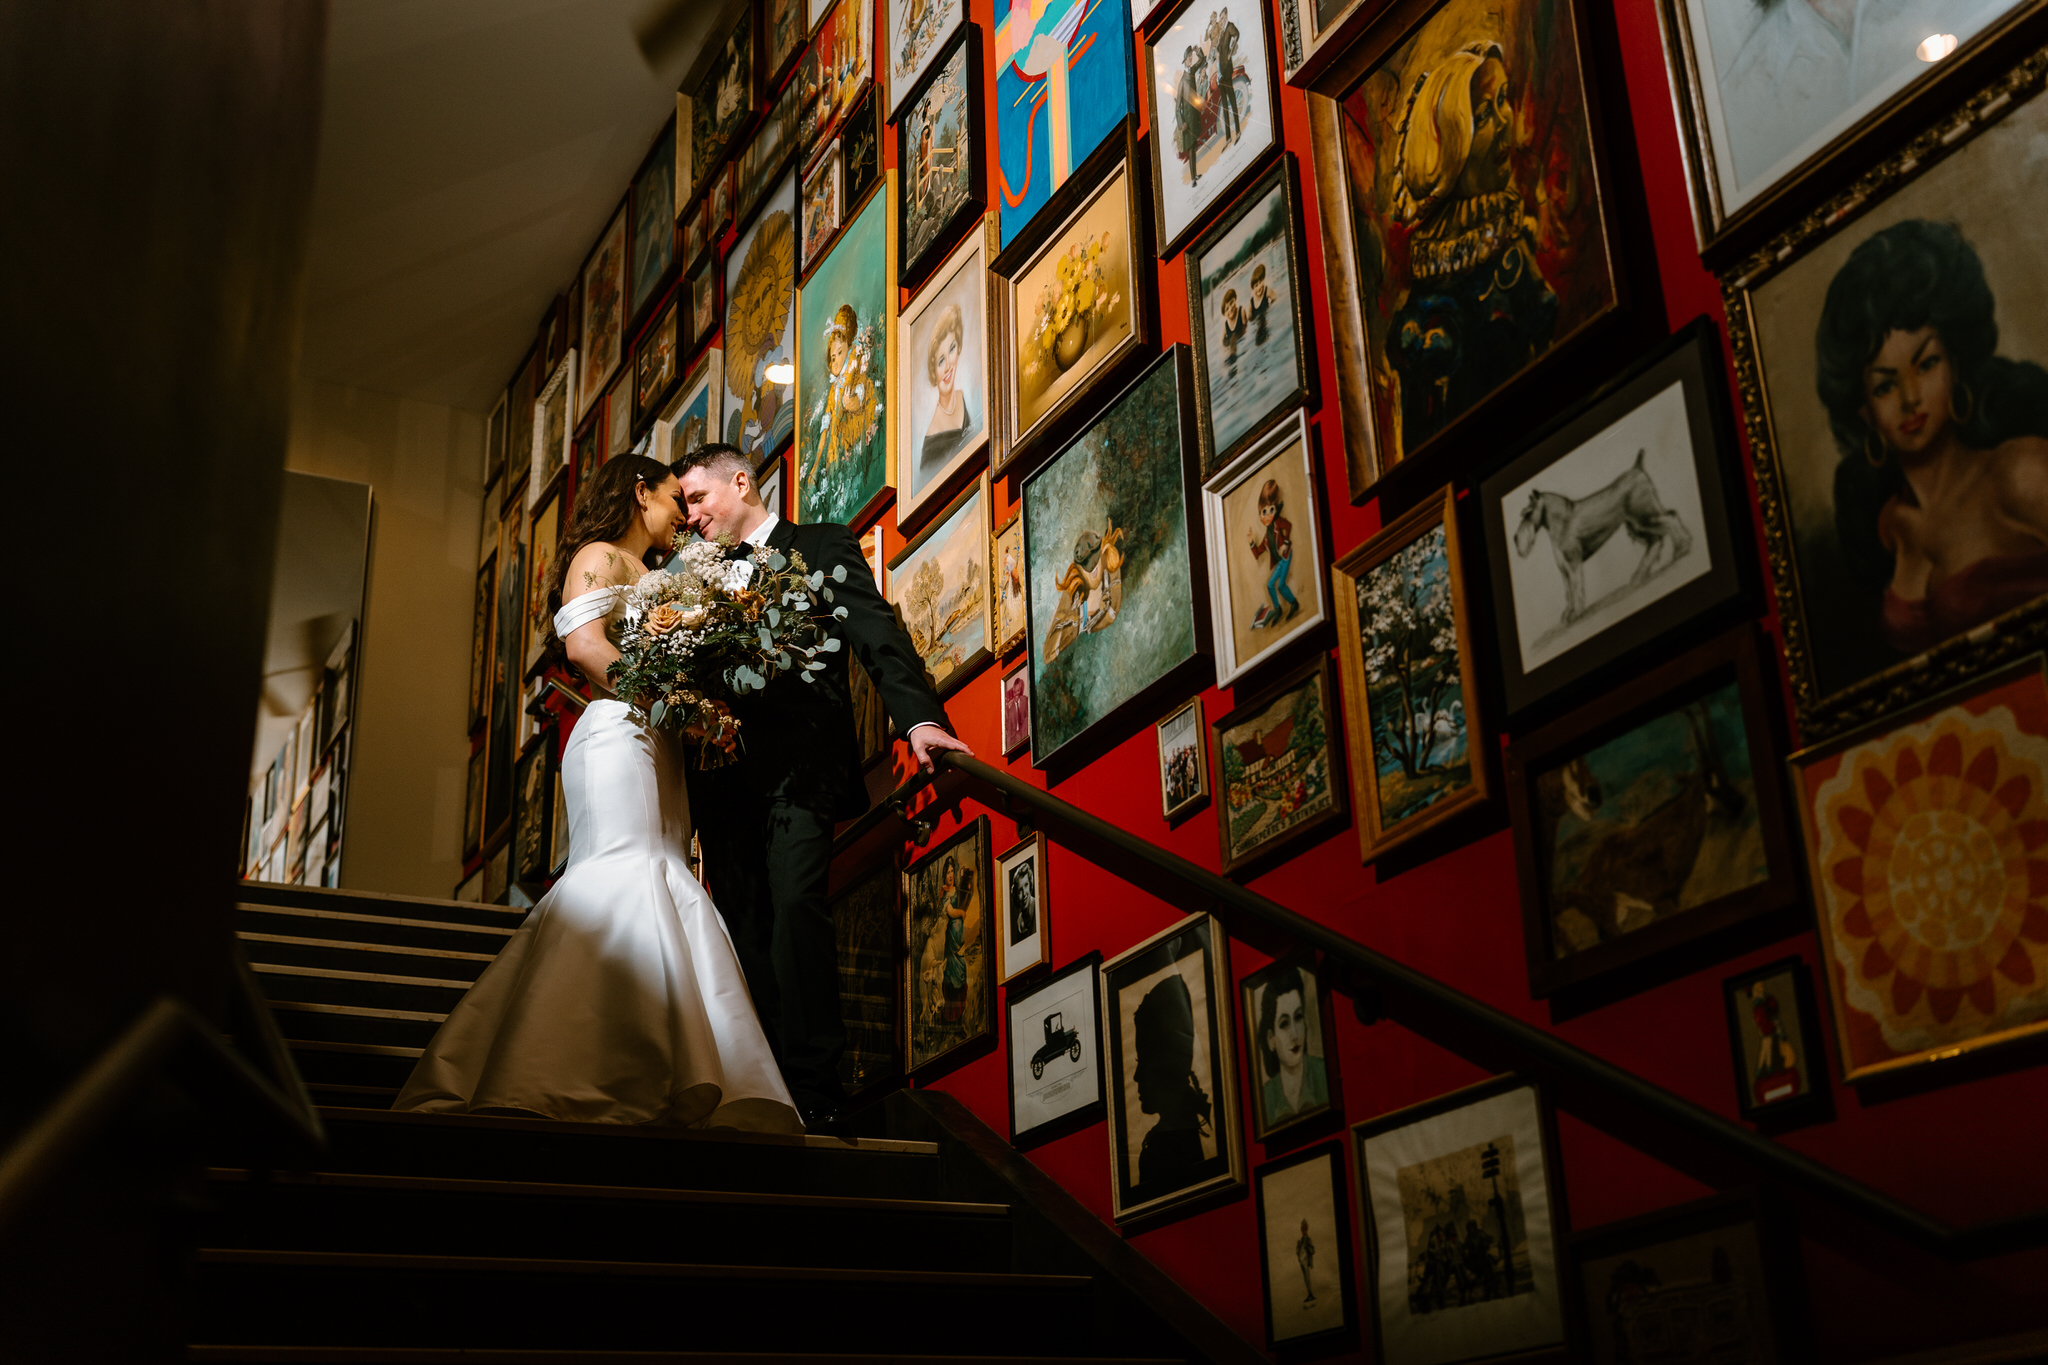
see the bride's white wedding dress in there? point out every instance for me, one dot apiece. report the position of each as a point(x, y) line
point(620, 999)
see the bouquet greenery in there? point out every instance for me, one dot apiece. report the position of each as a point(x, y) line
point(714, 628)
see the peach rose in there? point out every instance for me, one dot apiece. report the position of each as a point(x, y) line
point(663, 619)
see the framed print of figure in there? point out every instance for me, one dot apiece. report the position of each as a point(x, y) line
point(949, 995)
point(657, 364)
point(938, 153)
point(604, 313)
point(1767, 94)
point(837, 71)
point(823, 185)
point(1279, 770)
point(540, 569)
point(1055, 1037)
point(770, 150)
point(551, 428)
point(1016, 704)
point(1774, 1038)
point(772, 495)
point(1920, 968)
point(846, 316)
point(1214, 108)
point(1071, 314)
point(724, 100)
point(703, 290)
point(1172, 1071)
point(939, 584)
point(860, 143)
point(718, 201)
point(532, 811)
point(618, 417)
point(480, 643)
point(1305, 1248)
point(692, 419)
point(784, 26)
point(1652, 457)
point(1006, 563)
point(1466, 286)
point(1023, 923)
point(1115, 594)
point(864, 919)
point(942, 400)
point(1886, 350)
point(1413, 711)
point(1462, 1180)
point(1290, 1045)
point(651, 258)
point(917, 34)
point(1651, 819)
point(1260, 517)
point(1183, 761)
point(1254, 357)
point(758, 413)
point(696, 233)
point(1064, 86)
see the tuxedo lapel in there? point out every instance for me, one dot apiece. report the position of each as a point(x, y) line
point(783, 534)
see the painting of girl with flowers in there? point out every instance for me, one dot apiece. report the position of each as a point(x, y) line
point(842, 440)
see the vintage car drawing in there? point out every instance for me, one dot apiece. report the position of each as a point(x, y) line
point(1057, 1040)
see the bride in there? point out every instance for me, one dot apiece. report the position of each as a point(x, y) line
point(620, 999)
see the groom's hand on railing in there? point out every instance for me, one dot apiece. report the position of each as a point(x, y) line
point(929, 739)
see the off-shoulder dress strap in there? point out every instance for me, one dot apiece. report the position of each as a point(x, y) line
point(581, 611)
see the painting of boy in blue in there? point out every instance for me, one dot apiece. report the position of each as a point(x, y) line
point(1275, 538)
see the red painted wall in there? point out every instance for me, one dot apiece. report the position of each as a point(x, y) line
point(1964, 1153)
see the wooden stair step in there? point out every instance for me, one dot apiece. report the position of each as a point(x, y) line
point(263, 894)
point(459, 1355)
point(354, 927)
point(639, 1270)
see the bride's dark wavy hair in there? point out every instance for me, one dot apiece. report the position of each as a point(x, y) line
point(605, 508)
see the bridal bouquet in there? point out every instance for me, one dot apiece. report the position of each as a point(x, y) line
point(705, 633)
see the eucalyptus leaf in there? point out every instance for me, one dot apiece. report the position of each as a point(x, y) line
point(776, 562)
point(827, 594)
point(838, 573)
point(831, 644)
point(817, 580)
point(839, 613)
point(656, 712)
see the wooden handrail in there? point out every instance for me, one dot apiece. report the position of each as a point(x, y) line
point(1667, 1126)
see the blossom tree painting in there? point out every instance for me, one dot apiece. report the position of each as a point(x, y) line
point(1408, 629)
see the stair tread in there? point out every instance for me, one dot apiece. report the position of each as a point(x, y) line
point(333, 1114)
point(541, 1189)
point(358, 1011)
point(281, 893)
point(350, 916)
point(362, 1049)
point(457, 1355)
point(342, 974)
point(538, 1265)
point(354, 946)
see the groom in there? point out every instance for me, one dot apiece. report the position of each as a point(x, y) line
point(766, 821)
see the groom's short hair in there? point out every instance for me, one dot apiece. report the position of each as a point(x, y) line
point(716, 457)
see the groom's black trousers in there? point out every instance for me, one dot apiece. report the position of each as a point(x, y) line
point(768, 863)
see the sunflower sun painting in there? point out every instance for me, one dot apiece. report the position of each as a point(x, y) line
point(843, 374)
point(760, 328)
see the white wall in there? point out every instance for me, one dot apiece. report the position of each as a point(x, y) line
point(410, 755)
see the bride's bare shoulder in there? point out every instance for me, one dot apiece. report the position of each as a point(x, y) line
point(596, 566)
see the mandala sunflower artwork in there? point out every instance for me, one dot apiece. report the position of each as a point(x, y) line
point(760, 298)
point(1929, 858)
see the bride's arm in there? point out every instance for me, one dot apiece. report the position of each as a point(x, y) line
point(597, 568)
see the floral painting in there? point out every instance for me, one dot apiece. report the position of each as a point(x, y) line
point(939, 586)
point(1071, 307)
point(1064, 82)
point(760, 328)
point(1925, 844)
point(842, 444)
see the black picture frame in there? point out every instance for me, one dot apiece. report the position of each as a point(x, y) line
point(533, 809)
point(1594, 436)
point(1076, 985)
point(1250, 860)
point(1613, 878)
point(972, 844)
point(651, 210)
point(1796, 1090)
point(866, 953)
point(480, 643)
point(669, 324)
point(1165, 33)
point(912, 268)
point(1271, 1192)
point(860, 138)
point(1253, 993)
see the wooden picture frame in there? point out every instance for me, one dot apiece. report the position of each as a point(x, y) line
point(1023, 922)
point(657, 362)
point(772, 148)
point(553, 432)
point(865, 922)
point(1603, 893)
point(507, 668)
point(1182, 735)
point(651, 225)
point(1653, 452)
point(706, 306)
point(1053, 1091)
point(757, 412)
point(718, 202)
point(1979, 755)
point(1166, 1005)
point(785, 24)
point(732, 65)
point(543, 542)
point(952, 307)
point(1297, 786)
point(942, 1017)
point(480, 643)
point(1250, 247)
point(1278, 474)
point(860, 141)
point(696, 228)
point(939, 188)
point(1183, 130)
point(1303, 1207)
point(917, 35)
point(618, 417)
point(1015, 704)
point(837, 70)
point(942, 565)
point(602, 330)
point(844, 468)
point(773, 496)
point(1275, 1033)
point(1310, 33)
point(1456, 1141)
point(558, 821)
point(691, 418)
point(533, 810)
point(1006, 572)
point(1413, 567)
point(1950, 204)
point(1775, 1044)
point(1047, 131)
point(822, 206)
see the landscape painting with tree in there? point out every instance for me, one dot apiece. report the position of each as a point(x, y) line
point(939, 586)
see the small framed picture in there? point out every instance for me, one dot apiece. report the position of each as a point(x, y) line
point(1023, 923)
point(949, 973)
point(657, 365)
point(1458, 1226)
point(823, 206)
point(860, 143)
point(1172, 1071)
point(471, 888)
point(1055, 1039)
point(696, 232)
point(618, 417)
point(718, 203)
point(942, 414)
point(1183, 761)
point(917, 34)
point(691, 416)
point(480, 642)
point(603, 321)
point(1774, 1036)
point(1305, 1248)
point(837, 69)
point(1265, 553)
point(1217, 95)
point(1006, 561)
point(725, 100)
point(939, 586)
point(703, 284)
point(551, 428)
point(938, 148)
point(864, 918)
point(772, 496)
point(1279, 770)
point(533, 808)
point(1017, 709)
point(538, 621)
point(1290, 1044)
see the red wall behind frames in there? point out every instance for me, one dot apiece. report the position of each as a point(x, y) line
point(1964, 1153)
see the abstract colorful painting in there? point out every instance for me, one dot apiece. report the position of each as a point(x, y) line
point(842, 443)
point(760, 328)
point(1064, 82)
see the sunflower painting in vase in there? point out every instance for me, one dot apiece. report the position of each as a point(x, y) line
point(1070, 306)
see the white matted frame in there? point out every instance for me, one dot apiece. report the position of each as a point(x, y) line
point(1023, 909)
point(551, 457)
point(1054, 1035)
point(962, 283)
point(1284, 457)
point(1183, 760)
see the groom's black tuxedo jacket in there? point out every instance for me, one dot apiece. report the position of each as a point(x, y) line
point(799, 740)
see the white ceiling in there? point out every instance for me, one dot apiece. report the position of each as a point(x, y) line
point(471, 152)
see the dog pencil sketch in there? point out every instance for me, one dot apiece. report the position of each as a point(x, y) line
point(1580, 527)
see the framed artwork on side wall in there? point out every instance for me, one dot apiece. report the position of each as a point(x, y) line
point(1261, 518)
point(1183, 761)
point(864, 920)
point(1023, 918)
point(860, 142)
point(604, 313)
point(473, 807)
point(949, 991)
point(1774, 1038)
point(1214, 110)
point(759, 414)
point(939, 583)
point(551, 428)
point(938, 157)
point(784, 26)
point(917, 33)
point(1006, 563)
point(773, 496)
point(692, 419)
point(1064, 86)
point(771, 149)
point(846, 335)
point(480, 643)
point(1016, 704)
point(651, 258)
point(540, 569)
point(942, 394)
point(837, 71)
point(1291, 1045)
point(1055, 1037)
point(1305, 1248)
point(824, 184)
point(494, 445)
point(1279, 770)
point(724, 100)
point(618, 417)
point(657, 363)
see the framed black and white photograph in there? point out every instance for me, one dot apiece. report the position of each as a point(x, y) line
point(1172, 1071)
point(1183, 761)
point(1615, 532)
point(1290, 1045)
point(1456, 1217)
point(1266, 579)
point(1215, 109)
point(1023, 912)
point(1305, 1248)
point(1055, 1040)
point(1775, 1040)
